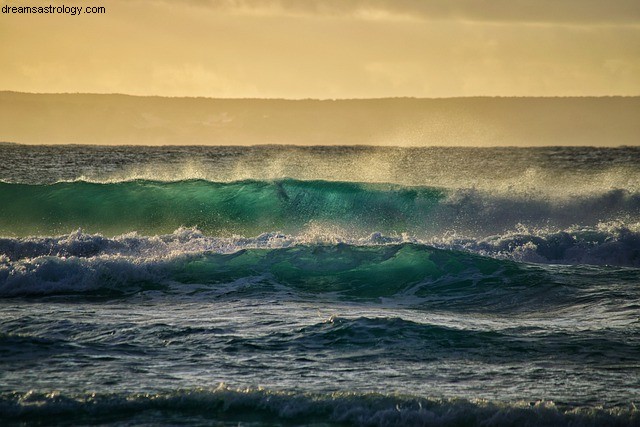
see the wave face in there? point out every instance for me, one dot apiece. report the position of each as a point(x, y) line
point(319, 285)
point(246, 207)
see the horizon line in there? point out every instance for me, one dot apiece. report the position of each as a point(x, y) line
point(291, 145)
point(2, 91)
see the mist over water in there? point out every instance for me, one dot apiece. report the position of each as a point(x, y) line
point(544, 170)
point(330, 285)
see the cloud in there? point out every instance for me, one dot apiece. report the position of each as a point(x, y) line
point(499, 11)
point(323, 49)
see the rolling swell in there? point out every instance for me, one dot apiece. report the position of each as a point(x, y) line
point(414, 341)
point(227, 406)
point(404, 274)
point(351, 271)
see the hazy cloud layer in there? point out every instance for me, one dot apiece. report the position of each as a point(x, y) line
point(328, 49)
point(532, 11)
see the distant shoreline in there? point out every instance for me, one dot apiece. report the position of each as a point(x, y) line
point(419, 98)
point(115, 119)
point(354, 146)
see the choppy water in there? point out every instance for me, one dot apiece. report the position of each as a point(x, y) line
point(321, 285)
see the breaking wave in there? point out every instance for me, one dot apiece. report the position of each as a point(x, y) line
point(250, 208)
point(228, 406)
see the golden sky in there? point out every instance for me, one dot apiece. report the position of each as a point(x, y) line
point(326, 48)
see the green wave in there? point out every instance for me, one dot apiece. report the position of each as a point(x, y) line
point(411, 274)
point(244, 207)
point(352, 271)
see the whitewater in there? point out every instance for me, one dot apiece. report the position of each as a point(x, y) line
point(338, 285)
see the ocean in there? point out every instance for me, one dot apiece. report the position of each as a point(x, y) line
point(322, 285)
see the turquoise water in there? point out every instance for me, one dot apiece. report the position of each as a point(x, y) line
point(246, 207)
point(321, 285)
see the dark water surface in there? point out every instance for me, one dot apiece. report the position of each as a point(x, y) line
point(322, 285)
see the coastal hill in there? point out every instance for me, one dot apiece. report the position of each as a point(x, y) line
point(481, 121)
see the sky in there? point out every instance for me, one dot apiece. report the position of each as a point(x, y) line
point(326, 48)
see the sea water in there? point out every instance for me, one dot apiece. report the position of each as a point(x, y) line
point(319, 285)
